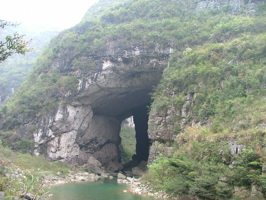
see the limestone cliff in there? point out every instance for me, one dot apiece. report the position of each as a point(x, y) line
point(104, 70)
point(85, 130)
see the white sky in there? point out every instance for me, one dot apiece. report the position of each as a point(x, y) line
point(49, 13)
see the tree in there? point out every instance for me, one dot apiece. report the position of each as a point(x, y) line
point(12, 44)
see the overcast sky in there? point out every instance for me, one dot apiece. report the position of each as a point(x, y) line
point(49, 13)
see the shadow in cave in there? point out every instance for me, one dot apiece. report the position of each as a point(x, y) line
point(140, 158)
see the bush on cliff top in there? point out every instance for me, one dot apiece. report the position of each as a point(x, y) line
point(204, 167)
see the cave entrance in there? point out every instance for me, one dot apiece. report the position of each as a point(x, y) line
point(135, 141)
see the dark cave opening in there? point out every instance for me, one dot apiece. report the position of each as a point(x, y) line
point(141, 117)
point(140, 152)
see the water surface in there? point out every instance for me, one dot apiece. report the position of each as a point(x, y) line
point(101, 190)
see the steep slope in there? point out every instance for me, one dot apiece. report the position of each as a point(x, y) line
point(15, 69)
point(99, 8)
point(91, 77)
point(207, 121)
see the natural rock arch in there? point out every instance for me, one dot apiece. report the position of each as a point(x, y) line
point(85, 131)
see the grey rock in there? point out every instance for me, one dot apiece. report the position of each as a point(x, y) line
point(85, 130)
point(256, 191)
point(137, 171)
point(235, 148)
point(31, 197)
point(235, 5)
point(121, 176)
point(2, 196)
point(261, 126)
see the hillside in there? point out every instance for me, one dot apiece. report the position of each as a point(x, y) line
point(198, 65)
point(15, 69)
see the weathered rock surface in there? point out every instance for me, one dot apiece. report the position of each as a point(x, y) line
point(2, 196)
point(137, 187)
point(234, 5)
point(85, 130)
point(52, 180)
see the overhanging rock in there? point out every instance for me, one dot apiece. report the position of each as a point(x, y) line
point(85, 131)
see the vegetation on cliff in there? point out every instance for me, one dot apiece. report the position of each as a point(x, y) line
point(141, 23)
point(218, 61)
point(219, 86)
point(226, 80)
point(206, 165)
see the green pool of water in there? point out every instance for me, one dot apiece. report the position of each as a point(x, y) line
point(100, 190)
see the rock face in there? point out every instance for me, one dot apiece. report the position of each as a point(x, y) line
point(165, 125)
point(234, 5)
point(85, 131)
point(114, 83)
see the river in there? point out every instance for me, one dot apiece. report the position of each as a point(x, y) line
point(100, 190)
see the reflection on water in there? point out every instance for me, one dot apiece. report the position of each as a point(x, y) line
point(101, 190)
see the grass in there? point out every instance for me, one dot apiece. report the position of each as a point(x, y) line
point(128, 143)
point(23, 173)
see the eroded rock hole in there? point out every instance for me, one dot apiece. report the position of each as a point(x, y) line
point(136, 125)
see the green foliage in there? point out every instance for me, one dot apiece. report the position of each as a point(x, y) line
point(16, 68)
point(22, 173)
point(26, 161)
point(219, 60)
point(204, 168)
point(13, 187)
point(224, 81)
point(12, 43)
point(128, 143)
point(16, 142)
point(214, 52)
point(262, 9)
point(248, 169)
point(32, 100)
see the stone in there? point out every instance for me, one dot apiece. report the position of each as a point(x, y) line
point(121, 176)
point(223, 179)
point(93, 165)
point(235, 5)
point(31, 197)
point(2, 196)
point(235, 148)
point(256, 191)
point(137, 171)
point(263, 169)
point(261, 127)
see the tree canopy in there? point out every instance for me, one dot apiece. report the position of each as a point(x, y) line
point(11, 43)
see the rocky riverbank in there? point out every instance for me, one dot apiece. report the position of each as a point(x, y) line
point(17, 183)
point(25, 183)
point(137, 187)
point(72, 177)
